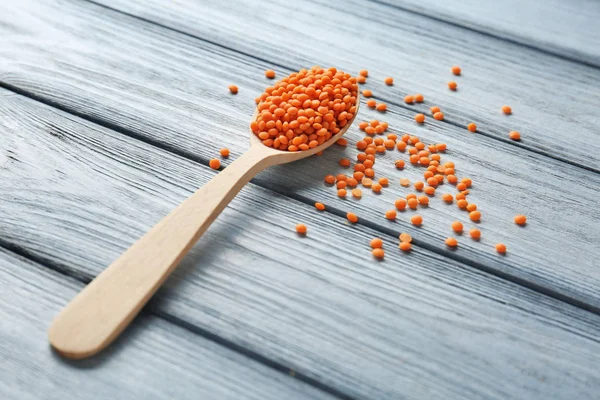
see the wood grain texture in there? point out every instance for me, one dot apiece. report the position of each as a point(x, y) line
point(171, 90)
point(416, 325)
point(554, 101)
point(104, 308)
point(153, 360)
point(565, 28)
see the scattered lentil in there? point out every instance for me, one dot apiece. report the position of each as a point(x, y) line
point(214, 163)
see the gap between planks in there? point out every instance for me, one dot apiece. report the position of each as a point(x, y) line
point(387, 100)
point(195, 329)
point(300, 198)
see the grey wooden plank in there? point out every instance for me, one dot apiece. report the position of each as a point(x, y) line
point(152, 360)
point(170, 89)
point(553, 100)
point(566, 28)
point(416, 325)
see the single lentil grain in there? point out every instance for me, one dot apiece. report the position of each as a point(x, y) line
point(378, 253)
point(400, 204)
point(456, 70)
point(501, 248)
point(390, 214)
point(520, 219)
point(472, 127)
point(457, 226)
point(301, 229)
point(416, 220)
point(420, 118)
point(320, 206)
point(475, 233)
point(376, 243)
point(352, 217)
point(214, 163)
point(405, 246)
point(451, 242)
point(475, 215)
point(233, 89)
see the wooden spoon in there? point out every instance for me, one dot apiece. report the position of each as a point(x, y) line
point(104, 308)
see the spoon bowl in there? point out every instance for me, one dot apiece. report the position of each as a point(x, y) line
point(284, 156)
point(104, 308)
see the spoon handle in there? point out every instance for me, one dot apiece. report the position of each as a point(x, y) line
point(104, 308)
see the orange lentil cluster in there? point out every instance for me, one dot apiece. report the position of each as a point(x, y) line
point(305, 109)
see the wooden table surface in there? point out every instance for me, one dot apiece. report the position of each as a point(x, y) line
point(111, 109)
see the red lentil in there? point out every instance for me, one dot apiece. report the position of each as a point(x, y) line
point(341, 192)
point(389, 81)
point(438, 116)
point(405, 246)
point(352, 182)
point(384, 181)
point(408, 99)
point(364, 73)
point(270, 74)
point(381, 107)
point(224, 152)
point(378, 253)
point(352, 217)
point(371, 103)
point(472, 127)
point(457, 226)
point(451, 242)
point(357, 193)
point(320, 206)
point(330, 179)
point(400, 204)
point(475, 233)
point(475, 215)
point(452, 85)
point(447, 197)
point(520, 219)
point(501, 248)
point(514, 135)
point(430, 190)
point(506, 110)
point(419, 98)
point(420, 118)
point(390, 214)
point(301, 229)
point(233, 89)
point(416, 220)
point(434, 110)
point(456, 70)
point(367, 93)
point(376, 243)
point(214, 163)
point(376, 187)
